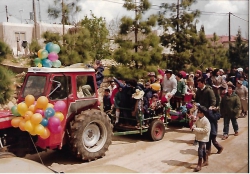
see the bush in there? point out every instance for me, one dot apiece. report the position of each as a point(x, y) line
point(4, 50)
point(6, 91)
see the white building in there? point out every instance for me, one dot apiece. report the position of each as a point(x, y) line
point(14, 34)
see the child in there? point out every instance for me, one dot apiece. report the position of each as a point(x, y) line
point(138, 111)
point(192, 115)
point(106, 100)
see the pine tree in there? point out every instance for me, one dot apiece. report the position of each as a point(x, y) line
point(239, 52)
point(139, 51)
point(180, 34)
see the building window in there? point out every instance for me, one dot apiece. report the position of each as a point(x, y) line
point(20, 36)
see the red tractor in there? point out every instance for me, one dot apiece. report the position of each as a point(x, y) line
point(86, 129)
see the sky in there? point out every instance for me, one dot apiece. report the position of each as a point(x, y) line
point(214, 13)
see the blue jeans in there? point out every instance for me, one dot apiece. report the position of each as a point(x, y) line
point(201, 149)
point(226, 125)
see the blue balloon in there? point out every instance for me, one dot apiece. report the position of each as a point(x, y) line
point(44, 122)
point(46, 63)
point(49, 112)
point(48, 46)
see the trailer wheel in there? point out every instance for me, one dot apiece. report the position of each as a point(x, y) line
point(6, 155)
point(156, 130)
point(91, 134)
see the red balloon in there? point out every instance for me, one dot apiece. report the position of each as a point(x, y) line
point(53, 124)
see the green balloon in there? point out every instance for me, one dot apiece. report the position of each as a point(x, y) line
point(14, 111)
point(37, 61)
point(54, 48)
point(56, 63)
point(44, 54)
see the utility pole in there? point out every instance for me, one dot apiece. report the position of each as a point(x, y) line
point(63, 15)
point(177, 17)
point(7, 16)
point(136, 28)
point(35, 23)
point(40, 18)
point(229, 35)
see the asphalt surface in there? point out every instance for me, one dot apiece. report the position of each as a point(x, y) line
point(175, 153)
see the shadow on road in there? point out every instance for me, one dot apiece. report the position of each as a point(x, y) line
point(183, 141)
point(189, 152)
point(180, 163)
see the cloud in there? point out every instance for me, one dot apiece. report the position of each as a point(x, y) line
point(108, 10)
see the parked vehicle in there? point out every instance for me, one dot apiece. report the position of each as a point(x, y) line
point(85, 129)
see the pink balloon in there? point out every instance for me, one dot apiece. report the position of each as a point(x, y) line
point(53, 124)
point(59, 106)
point(52, 56)
point(40, 111)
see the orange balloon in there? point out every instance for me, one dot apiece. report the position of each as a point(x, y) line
point(59, 115)
point(32, 108)
point(49, 105)
point(39, 53)
point(22, 108)
point(28, 115)
point(22, 125)
point(36, 118)
point(29, 100)
point(29, 127)
point(42, 102)
point(15, 121)
point(45, 134)
point(39, 129)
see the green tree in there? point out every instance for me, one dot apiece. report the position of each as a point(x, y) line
point(6, 92)
point(239, 52)
point(143, 54)
point(180, 33)
point(64, 10)
point(4, 50)
point(99, 47)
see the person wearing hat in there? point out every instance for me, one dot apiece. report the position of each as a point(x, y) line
point(138, 109)
point(242, 92)
point(202, 128)
point(169, 83)
point(152, 77)
point(229, 109)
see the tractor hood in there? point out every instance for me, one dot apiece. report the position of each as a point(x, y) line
point(5, 119)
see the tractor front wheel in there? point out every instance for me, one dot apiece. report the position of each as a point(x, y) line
point(91, 134)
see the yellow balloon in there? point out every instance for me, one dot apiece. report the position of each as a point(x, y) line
point(49, 105)
point(45, 134)
point(39, 129)
point(42, 102)
point(39, 53)
point(29, 127)
point(29, 100)
point(39, 65)
point(59, 115)
point(16, 121)
point(22, 108)
point(36, 118)
point(156, 86)
point(32, 108)
point(32, 132)
point(28, 115)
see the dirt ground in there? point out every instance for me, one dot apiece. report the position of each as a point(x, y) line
point(175, 153)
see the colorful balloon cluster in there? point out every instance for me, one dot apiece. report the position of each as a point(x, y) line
point(38, 117)
point(48, 57)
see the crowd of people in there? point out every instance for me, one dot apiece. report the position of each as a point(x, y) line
point(212, 94)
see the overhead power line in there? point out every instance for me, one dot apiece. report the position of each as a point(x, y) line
point(239, 17)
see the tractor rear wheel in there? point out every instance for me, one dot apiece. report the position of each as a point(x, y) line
point(156, 130)
point(91, 134)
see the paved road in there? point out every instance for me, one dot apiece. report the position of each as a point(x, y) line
point(174, 154)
